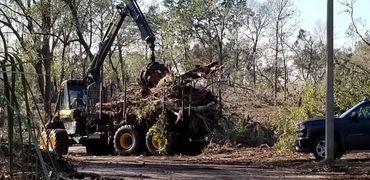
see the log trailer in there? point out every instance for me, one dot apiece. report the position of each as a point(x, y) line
point(75, 117)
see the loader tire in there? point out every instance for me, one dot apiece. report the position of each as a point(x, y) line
point(43, 140)
point(157, 146)
point(127, 140)
point(154, 145)
point(59, 141)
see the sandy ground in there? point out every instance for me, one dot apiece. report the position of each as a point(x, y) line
point(221, 163)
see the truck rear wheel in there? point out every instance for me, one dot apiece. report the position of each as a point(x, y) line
point(127, 140)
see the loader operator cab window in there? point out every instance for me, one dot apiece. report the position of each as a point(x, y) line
point(77, 96)
point(73, 96)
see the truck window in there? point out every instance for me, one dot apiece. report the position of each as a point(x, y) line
point(364, 111)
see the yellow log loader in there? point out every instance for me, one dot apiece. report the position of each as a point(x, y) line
point(76, 118)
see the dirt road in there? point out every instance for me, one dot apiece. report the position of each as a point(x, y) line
point(234, 164)
point(186, 170)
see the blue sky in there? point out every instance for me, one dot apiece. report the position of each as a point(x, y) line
point(313, 12)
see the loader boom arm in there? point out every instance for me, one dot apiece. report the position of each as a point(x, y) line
point(129, 9)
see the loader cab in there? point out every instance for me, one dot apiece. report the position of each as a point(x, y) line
point(72, 95)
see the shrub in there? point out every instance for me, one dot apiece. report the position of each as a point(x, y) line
point(243, 131)
point(285, 120)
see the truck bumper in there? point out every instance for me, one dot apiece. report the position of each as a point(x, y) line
point(303, 145)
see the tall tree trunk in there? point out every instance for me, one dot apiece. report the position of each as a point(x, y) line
point(254, 51)
point(10, 120)
point(40, 78)
point(235, 77)
point(175, 64)
point(46, 55)
point(285, 67)
point(185, 44)
point(122, 63)
point(10, 111)
point(276, 61)
point(25, 94)
point(15, 106)
point(62, 71)
point(221, 61)
point(114, 68)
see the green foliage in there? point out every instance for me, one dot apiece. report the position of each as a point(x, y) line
point(144, 110)
point(352, 84)
point(285, 120)
point(352, 77)
point(158, 130)
point(238, 129)
point(241, 130)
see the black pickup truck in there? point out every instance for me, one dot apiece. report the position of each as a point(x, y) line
point(351, 129)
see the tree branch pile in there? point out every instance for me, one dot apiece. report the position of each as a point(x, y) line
point(190, 112)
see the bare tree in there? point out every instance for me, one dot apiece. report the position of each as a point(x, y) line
point(78, 26)
point(308, 57)
point(354, 27)
point(281, 12)
point(34, 31)
point(256, 26)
